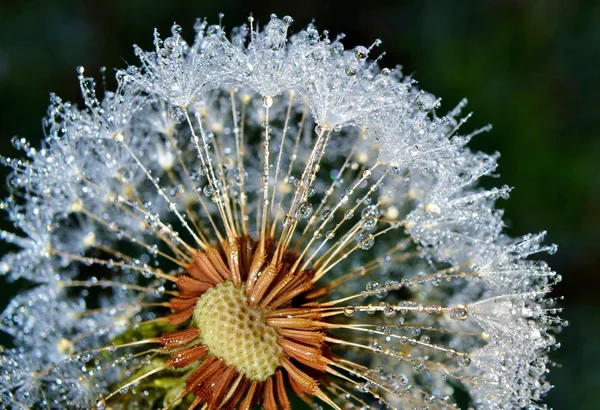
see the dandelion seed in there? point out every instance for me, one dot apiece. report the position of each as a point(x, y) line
point(264, 214)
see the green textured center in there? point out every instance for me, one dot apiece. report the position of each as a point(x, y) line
point(236, 332)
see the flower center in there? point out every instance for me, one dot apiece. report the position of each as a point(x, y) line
point(236, 332)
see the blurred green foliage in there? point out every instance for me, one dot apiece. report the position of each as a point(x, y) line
point(528, 67)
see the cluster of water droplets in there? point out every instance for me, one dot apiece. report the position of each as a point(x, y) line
point(141, 166)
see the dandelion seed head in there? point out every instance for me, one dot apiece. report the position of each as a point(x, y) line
point(263, 213)
point(224, 318)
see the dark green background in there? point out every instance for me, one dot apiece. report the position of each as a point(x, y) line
point(528, 67)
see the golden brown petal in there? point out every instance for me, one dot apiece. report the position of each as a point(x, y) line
point(220, 387)
point(282, 397)
point(179, 337)
point(202, 269)
point(252, 396)
point(268, 396)
point(306, 337)
point(179, 304)
point(180, 317)
point(305, 383)
point(190, 287)
point(308, 355)
point(188, 356)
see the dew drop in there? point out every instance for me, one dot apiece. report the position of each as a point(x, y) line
point(367, 243)
point(305, 209)
point(208, 190)
point(287, 220)
point(370, 211)
point(433, 208)
point(361, 52)
point(537, 369)
point(389, 310)
point(351, 71)
point(464, 360)
point(267, 101)
point(459, 313)
point(369, 223)
point(176, 114)
point(349, 311)
point(318, 54)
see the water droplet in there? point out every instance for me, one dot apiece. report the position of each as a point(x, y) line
point(389, 310)
point(367, 243)
point(208, 190)
point(371, 286)
point(349, 311)
point(459, 313)
point(267, 101)
point(287, 220)
point(433, 208)
point(176, 114)
point(305, 209)
point(369, 223)
point(464, 360)
point(318, 54)
point(537, 368)
point(361, 52)
point(370, 211)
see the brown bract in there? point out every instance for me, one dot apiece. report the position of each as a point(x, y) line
point(265, 279)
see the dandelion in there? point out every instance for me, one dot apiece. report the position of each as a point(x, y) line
point(259, 216)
